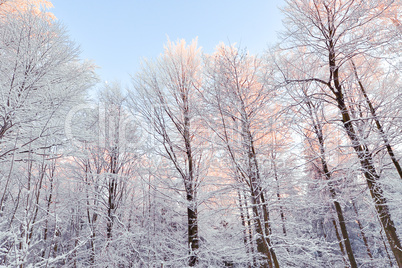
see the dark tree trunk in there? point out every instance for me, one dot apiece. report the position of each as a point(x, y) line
point(340, 243)
point(378, 125)
point(345, 234)
point(362, 232)
point(372, 178)
point(190, 185)
point(192, 232)
point(260, 209)
point(325, 169)
point(262, 243)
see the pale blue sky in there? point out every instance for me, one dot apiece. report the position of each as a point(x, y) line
point(116, 36)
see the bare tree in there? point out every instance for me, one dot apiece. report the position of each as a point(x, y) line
point(315, 117)
point(238, 100)
point(40, 79)
point(105, 165)
point(166, 96)
point(333, 32)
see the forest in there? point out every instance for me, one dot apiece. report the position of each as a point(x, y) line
point(290, 158)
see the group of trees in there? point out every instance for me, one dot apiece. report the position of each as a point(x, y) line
point(289, 159)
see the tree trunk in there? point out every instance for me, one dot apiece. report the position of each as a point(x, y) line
point(372, 178)
point(192, 232)
point(262, 244)
point(250, 231)
point(190, 185)
point(340, 243)
point(345, 235)
point(378, 125)
point(268, 230)
point(362, 232)
point(279, 197)
point(327, 174)
point(243, 223)
point(260, 208)
point(386, 249)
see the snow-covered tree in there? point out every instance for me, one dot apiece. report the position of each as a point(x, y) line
point(166, 96)
point(331, 34)
point(41, 78)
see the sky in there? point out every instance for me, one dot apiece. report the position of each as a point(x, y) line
point(116, 36)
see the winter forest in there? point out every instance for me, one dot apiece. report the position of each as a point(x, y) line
point(291, 158)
